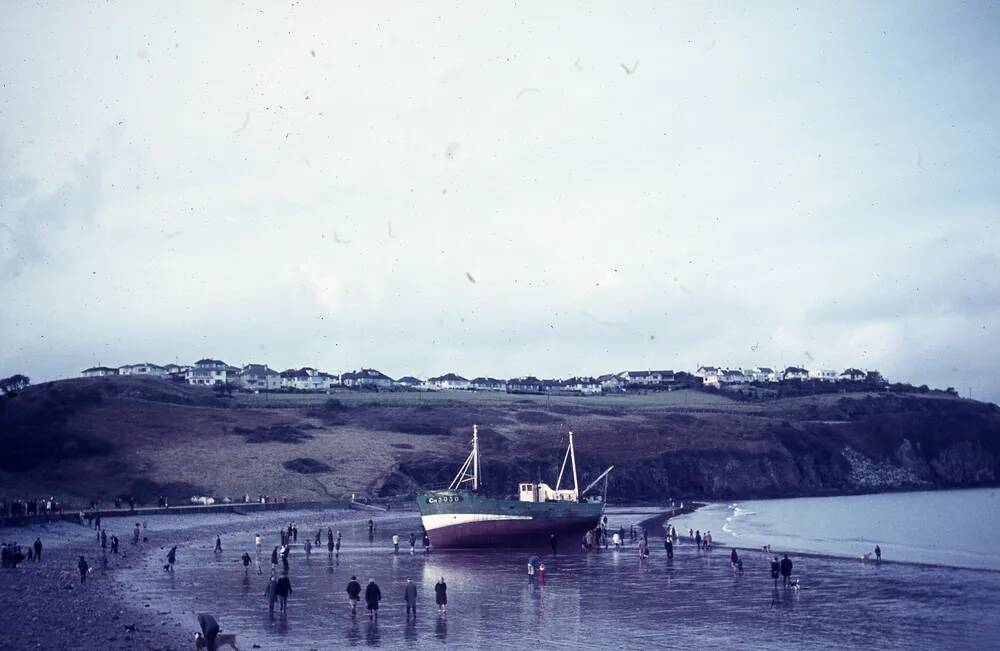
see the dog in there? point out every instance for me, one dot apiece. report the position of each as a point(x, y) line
point(795, 584)
point(221, 640)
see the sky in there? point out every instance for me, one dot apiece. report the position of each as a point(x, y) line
point(550, 188)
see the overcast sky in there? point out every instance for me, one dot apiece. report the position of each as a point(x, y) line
point(542, 188)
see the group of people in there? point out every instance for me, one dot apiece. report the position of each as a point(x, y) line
point(13, 508)
point(703, 542)
point(373, 597)
point(413, 541)
point(12, 554)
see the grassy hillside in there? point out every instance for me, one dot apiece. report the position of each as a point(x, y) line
point(104, 437)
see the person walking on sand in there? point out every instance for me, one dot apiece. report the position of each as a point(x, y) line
point(410, 597)
point(441, 595)
point(283, 586)
point(218, 544)
point(274, 559)
point(395, 543)
point(135, 534)
point(38, 549)
point(734, 559)
point(669, 544)
point(256, 542)
point(209, 630)
point(616, 540)
point(697, 539)
point(372, 596)
point(878, 554)
point(336, 544)
point(775, 570)
point(319, 535)
point(554, 544)
point(246, 563)
point(271, 592)
point(84, 568)
point(307, 546)
point(353, 594)
point(171, 559)
point(427, 543)
point(786, 571)
point(413, 543)
point(104, 539)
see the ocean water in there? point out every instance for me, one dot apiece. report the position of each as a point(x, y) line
point(610, 599)
point(959, 528)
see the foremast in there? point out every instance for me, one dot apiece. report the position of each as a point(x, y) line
point(469, 473)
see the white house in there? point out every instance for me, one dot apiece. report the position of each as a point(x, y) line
point(611, 383)
point(258, 377)
point(795, 373)
point(488, 384)
point(853, 375)
point(98, 371)
point(647, 378)
point(710, 375)
point(449, 381)
point(733, 376)
point(366, 378)
point(207, 372)
point(409, 382)
point(152, 370)
point(763, 374)
point(587, 386)
point(307, 379)
point(173, 369)
point(824, 374)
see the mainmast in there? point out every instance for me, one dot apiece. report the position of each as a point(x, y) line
point(571, 457)
point(470, 469)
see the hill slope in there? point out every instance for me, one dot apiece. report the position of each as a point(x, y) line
point(98, 438)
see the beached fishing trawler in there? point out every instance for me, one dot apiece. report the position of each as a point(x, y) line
point(460, 517)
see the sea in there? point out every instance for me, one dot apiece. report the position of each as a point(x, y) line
point(598, 600)
point(955, 528)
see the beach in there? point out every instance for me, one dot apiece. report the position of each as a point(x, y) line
point(586, 600)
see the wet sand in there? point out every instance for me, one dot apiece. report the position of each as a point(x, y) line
point(586, 600)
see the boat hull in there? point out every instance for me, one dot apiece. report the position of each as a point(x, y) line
point(462, 519)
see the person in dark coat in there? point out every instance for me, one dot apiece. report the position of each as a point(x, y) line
point(246, 563)
point(410, 597)
point(171, 558)
point(38, 549)
point(786, 570)
point(218, 544)
point(669, 544)
point(274, 558)
point(554, 543)
point(775, 569)
point(372, 596)
point(734, 559)
point(441, 595)
point(283, 588)
point(878, 554)
point(209, 630)
point(353, 594)
point(83, 567)
point(271, 592)
point(697, 538)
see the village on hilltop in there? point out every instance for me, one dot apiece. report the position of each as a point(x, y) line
point(261, 378)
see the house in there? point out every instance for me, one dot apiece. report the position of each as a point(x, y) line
point(824, 374)
point(366, 378)
point(151, 370)
point(611, 383)
point(763, 374)
point(586, 386)
point(98, 371)
point(307, 379)
point(527, 384)
point(409, 382)
point(258, 377)
point(733, 376)
point(647, 378)
point(488, 384)
point(795, 373)
point(709, 375)
point(207, 372)
point(449, 381)
point(853, 375)
point(172, 369)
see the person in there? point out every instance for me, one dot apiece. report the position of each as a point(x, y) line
point(371, 527)
point(171, 558)
point(739, 567)
point(427, 543)
point(295, 533)
point(83, 567)
point(307, 546)
point(271, 592)
point(283, 586)
point(114, 544)
point(274, 559)
point(734, 559)
point(786, 570)
point(413, 543)
point(775, 570)
point(104, 539)
point(209, 630)
point(319, 535)
point(643, 548)
point(353, 594)
point(697, 539)
point(878, 554)
point(554, 544)
point(395, 543)
point(441, 595)
point(669, 544)
point(336, 545)
point(218, 544)
point(256, 542)
point(38, 549)
point(532, 565)
point(135, 534)
point(372, 596)
point(246, 563)
point(284, 558)
point(617, 540)
point(410, 596)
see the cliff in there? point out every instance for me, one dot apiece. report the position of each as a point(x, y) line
point(104, 437)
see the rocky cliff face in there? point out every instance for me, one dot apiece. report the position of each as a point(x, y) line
point(874, 444)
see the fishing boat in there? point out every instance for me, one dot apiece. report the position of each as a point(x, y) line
point(460, 517)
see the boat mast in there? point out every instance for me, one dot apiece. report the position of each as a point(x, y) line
point(470, 469)
point(570, 456)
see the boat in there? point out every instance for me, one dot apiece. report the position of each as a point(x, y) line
point(460, 517)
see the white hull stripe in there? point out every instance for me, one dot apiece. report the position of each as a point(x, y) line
point(439, 520)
